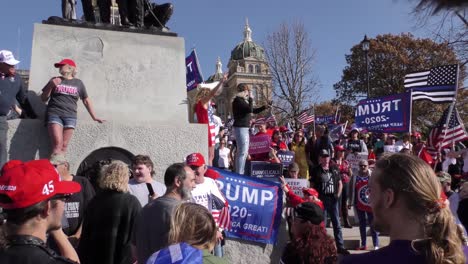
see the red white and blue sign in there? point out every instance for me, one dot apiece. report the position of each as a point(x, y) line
point(255, 206)
point(363, 192)
point(385, 114)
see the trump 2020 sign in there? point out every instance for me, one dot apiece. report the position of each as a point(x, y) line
point(385, 114)
point(255, 206)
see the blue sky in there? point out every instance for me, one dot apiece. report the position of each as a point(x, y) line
point(215, 27)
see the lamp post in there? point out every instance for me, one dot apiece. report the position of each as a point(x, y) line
point(365, 47)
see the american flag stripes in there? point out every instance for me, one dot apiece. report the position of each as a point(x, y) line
point(262, 120)
point(443, 136)
point(305, 119)
point(220, 212)
point(439, 84)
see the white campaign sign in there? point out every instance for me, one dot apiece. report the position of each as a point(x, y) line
point(297, 185)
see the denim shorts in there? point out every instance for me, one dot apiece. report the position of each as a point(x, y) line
point(68, 122)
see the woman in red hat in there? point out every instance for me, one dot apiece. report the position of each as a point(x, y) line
point(62, 94)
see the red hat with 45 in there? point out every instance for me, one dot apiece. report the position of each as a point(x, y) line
point(28, 183)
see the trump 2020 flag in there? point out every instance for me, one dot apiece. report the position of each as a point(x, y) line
point(194, 76)
point(438, 85)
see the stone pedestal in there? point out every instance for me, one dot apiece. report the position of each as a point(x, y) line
point(135, 81)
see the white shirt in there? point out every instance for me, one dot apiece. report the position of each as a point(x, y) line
point(223, 161)
point(202, 193)
point(140, 191)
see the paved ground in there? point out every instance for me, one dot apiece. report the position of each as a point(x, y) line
point(352, 237)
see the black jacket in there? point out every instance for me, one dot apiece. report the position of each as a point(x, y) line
point(242, 110)
point(316, 179)
point(29, 250)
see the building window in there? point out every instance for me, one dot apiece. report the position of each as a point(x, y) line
point(251, 68)
point(257, 68)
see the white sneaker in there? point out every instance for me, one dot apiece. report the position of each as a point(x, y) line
point(377, 247)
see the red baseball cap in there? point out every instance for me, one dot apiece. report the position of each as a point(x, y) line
point(195, 159)
point(32, 182)
point(65, 62)
point(310, 191)
point(339, 148)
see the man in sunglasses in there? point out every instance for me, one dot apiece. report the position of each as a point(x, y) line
point(33, 198)
point(359, 190)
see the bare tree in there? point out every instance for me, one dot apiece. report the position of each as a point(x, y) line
point(448, 23)
point(290, 56)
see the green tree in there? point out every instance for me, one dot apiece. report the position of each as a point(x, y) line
point(391, 57)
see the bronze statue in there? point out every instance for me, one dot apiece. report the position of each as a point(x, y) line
point(157, 15)
point(69, 9)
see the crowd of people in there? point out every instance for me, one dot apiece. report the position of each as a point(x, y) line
point(51, 216)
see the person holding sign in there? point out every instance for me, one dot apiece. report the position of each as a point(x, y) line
point(270, 154)
point(360, 199)
point(207, 193)
point(242, 109)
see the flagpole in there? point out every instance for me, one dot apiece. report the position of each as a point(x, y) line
point(336, 114)
point(313, 108)
point(198, 65)
point(449, 115)
point(411, 112)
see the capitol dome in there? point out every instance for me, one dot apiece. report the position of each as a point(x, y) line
point(247, 48)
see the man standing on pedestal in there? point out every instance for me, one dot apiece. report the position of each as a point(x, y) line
point(11, 88)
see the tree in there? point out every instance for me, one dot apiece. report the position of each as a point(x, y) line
point(290, 57)
point(447, 22)
point(391, 57)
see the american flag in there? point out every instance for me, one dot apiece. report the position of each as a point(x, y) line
point(439, 84)
point(262, 120)
point(220, 212)
point(211, 125)
point(442, 136)
point(305, 119)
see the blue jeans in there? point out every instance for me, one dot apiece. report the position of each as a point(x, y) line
point(362, 227)
point(65, 122)
point(218, 250)
point(330, 204)
point(242, 141)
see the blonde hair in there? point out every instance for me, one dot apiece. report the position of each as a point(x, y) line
point(202, 92)
point(115, 177)
point(193, 224)
point(413, 181)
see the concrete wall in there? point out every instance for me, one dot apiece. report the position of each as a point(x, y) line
point(137, 83)
point(128, 76)
point(165, 144)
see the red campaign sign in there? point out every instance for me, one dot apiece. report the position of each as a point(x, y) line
point(259, 144)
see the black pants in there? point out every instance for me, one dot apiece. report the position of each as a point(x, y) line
point(88, 10)
point(3, 140)
point(104, 10)
point(132, 11)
